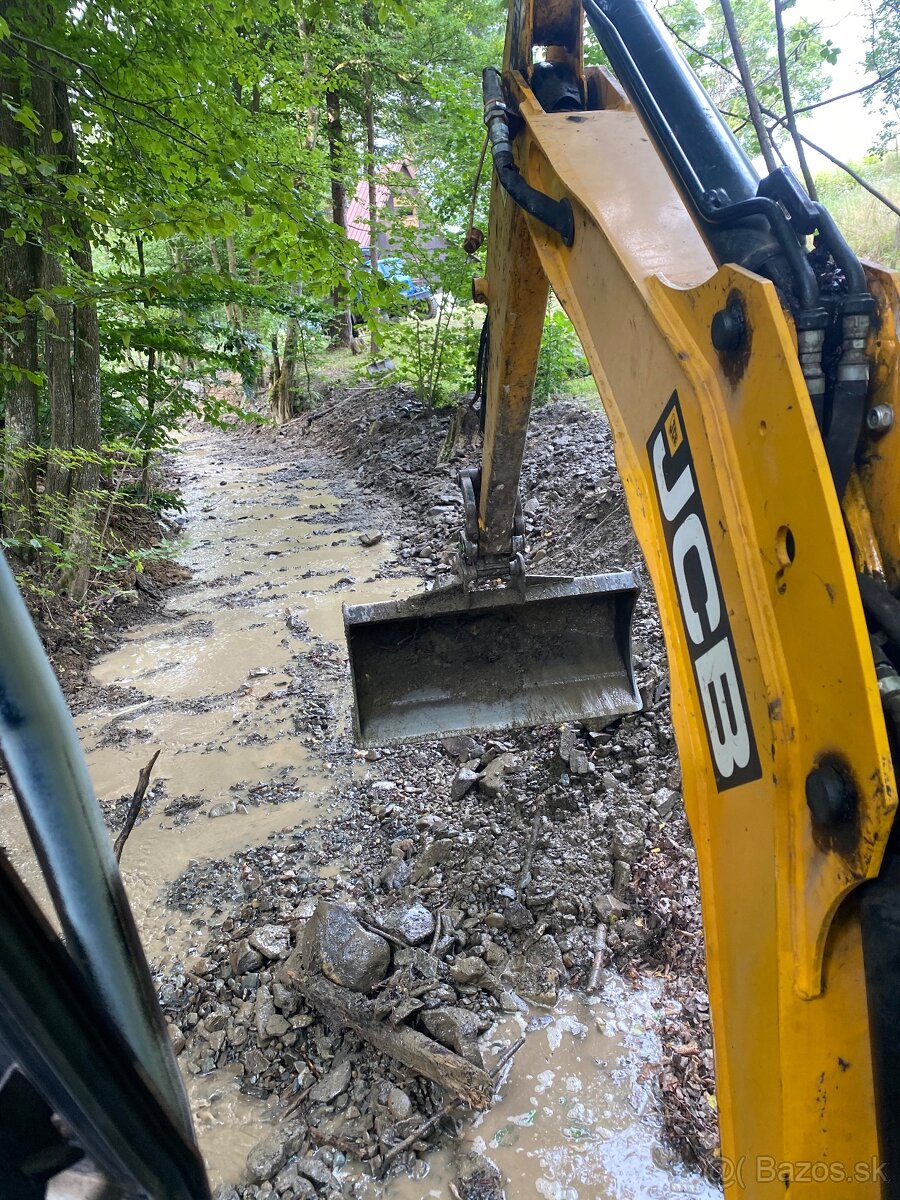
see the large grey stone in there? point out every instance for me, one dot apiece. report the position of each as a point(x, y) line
point(273, 941)
point(627, 842)
point(244, 958)
point(269, 1156)
point(539, 972)
point(335, 943)
point(330, 1086)
point(463, 781)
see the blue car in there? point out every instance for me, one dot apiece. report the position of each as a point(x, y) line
point(415, 291)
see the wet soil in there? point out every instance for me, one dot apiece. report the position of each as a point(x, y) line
point(260, 807)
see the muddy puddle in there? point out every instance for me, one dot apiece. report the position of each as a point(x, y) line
point(573, 1117)
point(242, 684)
point(216, 685)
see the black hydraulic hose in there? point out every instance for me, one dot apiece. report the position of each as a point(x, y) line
point(841, 252)
point(802, 275)
point(481, 371)
point(50, 779)
point(641, 52)
point(880, 606)
point(557, 214)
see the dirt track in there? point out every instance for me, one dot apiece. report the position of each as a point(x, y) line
point(261, 807)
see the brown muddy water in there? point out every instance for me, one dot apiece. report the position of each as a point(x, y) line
point(274, 554)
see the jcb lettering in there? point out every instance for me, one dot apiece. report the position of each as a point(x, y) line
point(723, 712)
point(690, 535)
point(717, 676)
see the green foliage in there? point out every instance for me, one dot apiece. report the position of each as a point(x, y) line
point(436, 357)
point(871, 229)
point(883, 57)
point(561, 359)
point(699, 29)
point(55, 532)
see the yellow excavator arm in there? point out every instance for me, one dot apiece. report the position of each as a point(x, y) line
point(751, 389)
point(748, 365)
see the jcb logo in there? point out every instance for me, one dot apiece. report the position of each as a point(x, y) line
point(711, 645)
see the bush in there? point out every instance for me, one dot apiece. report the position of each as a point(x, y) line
point(561, 359)
point(436, 357)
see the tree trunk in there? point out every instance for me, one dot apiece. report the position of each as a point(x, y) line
point(276, 361)
point(373, 188)
point(282, 390)
point(231, 313)
point(19, 279)
point(149, 390)
point(237, 316)
point(341, 324)
point(86, 387)
point(58, 336)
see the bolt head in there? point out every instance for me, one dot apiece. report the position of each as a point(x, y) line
point(879, 418)
point(830, 797)
point(728, 329)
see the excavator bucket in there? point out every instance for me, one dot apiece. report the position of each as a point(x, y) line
point(447, 663)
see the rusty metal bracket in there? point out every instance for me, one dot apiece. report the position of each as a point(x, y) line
point(473, 566)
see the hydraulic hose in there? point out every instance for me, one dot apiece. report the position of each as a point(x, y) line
point(717, 179)
point(557, 214)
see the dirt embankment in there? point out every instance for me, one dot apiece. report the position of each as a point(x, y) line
point(119, 597)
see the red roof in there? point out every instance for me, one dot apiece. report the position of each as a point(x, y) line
point(358, 208)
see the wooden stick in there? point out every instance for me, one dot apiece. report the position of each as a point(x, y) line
point(468, 1084)
point(599, 959)
point(506, 1056)
point(447, 1108)
point(525, 873)
point(427, 1127)
point(135, 806)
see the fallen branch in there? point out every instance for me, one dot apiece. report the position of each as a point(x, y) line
point(468, 1084)
point(135, 806)
point(434, 1119)
point(599, 959)
point(525, 873)
point(506, 1056)
point(446, 1109)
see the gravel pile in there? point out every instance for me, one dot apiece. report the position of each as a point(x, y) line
point(577, 523)
point(483, 874)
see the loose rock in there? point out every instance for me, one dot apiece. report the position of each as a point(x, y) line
point(335, 943)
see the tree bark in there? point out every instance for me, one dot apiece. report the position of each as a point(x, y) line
point(86, 385)
point(237, 316)
point(469, 1084)
point(19, 279)
point(373, 187)
point(58, 338)
point(282, 390)
point(276, 360)
point(341, 325)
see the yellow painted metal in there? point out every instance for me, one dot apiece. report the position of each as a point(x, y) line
point(863, 540)
point(785, 969)
point(518, 290)
point(880, 470)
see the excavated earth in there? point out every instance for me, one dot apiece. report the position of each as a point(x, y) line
point(483, 886)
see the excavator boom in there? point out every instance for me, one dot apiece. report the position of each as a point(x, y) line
point(750, 387)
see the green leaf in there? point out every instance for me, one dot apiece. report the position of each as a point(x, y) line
point(55, 136)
